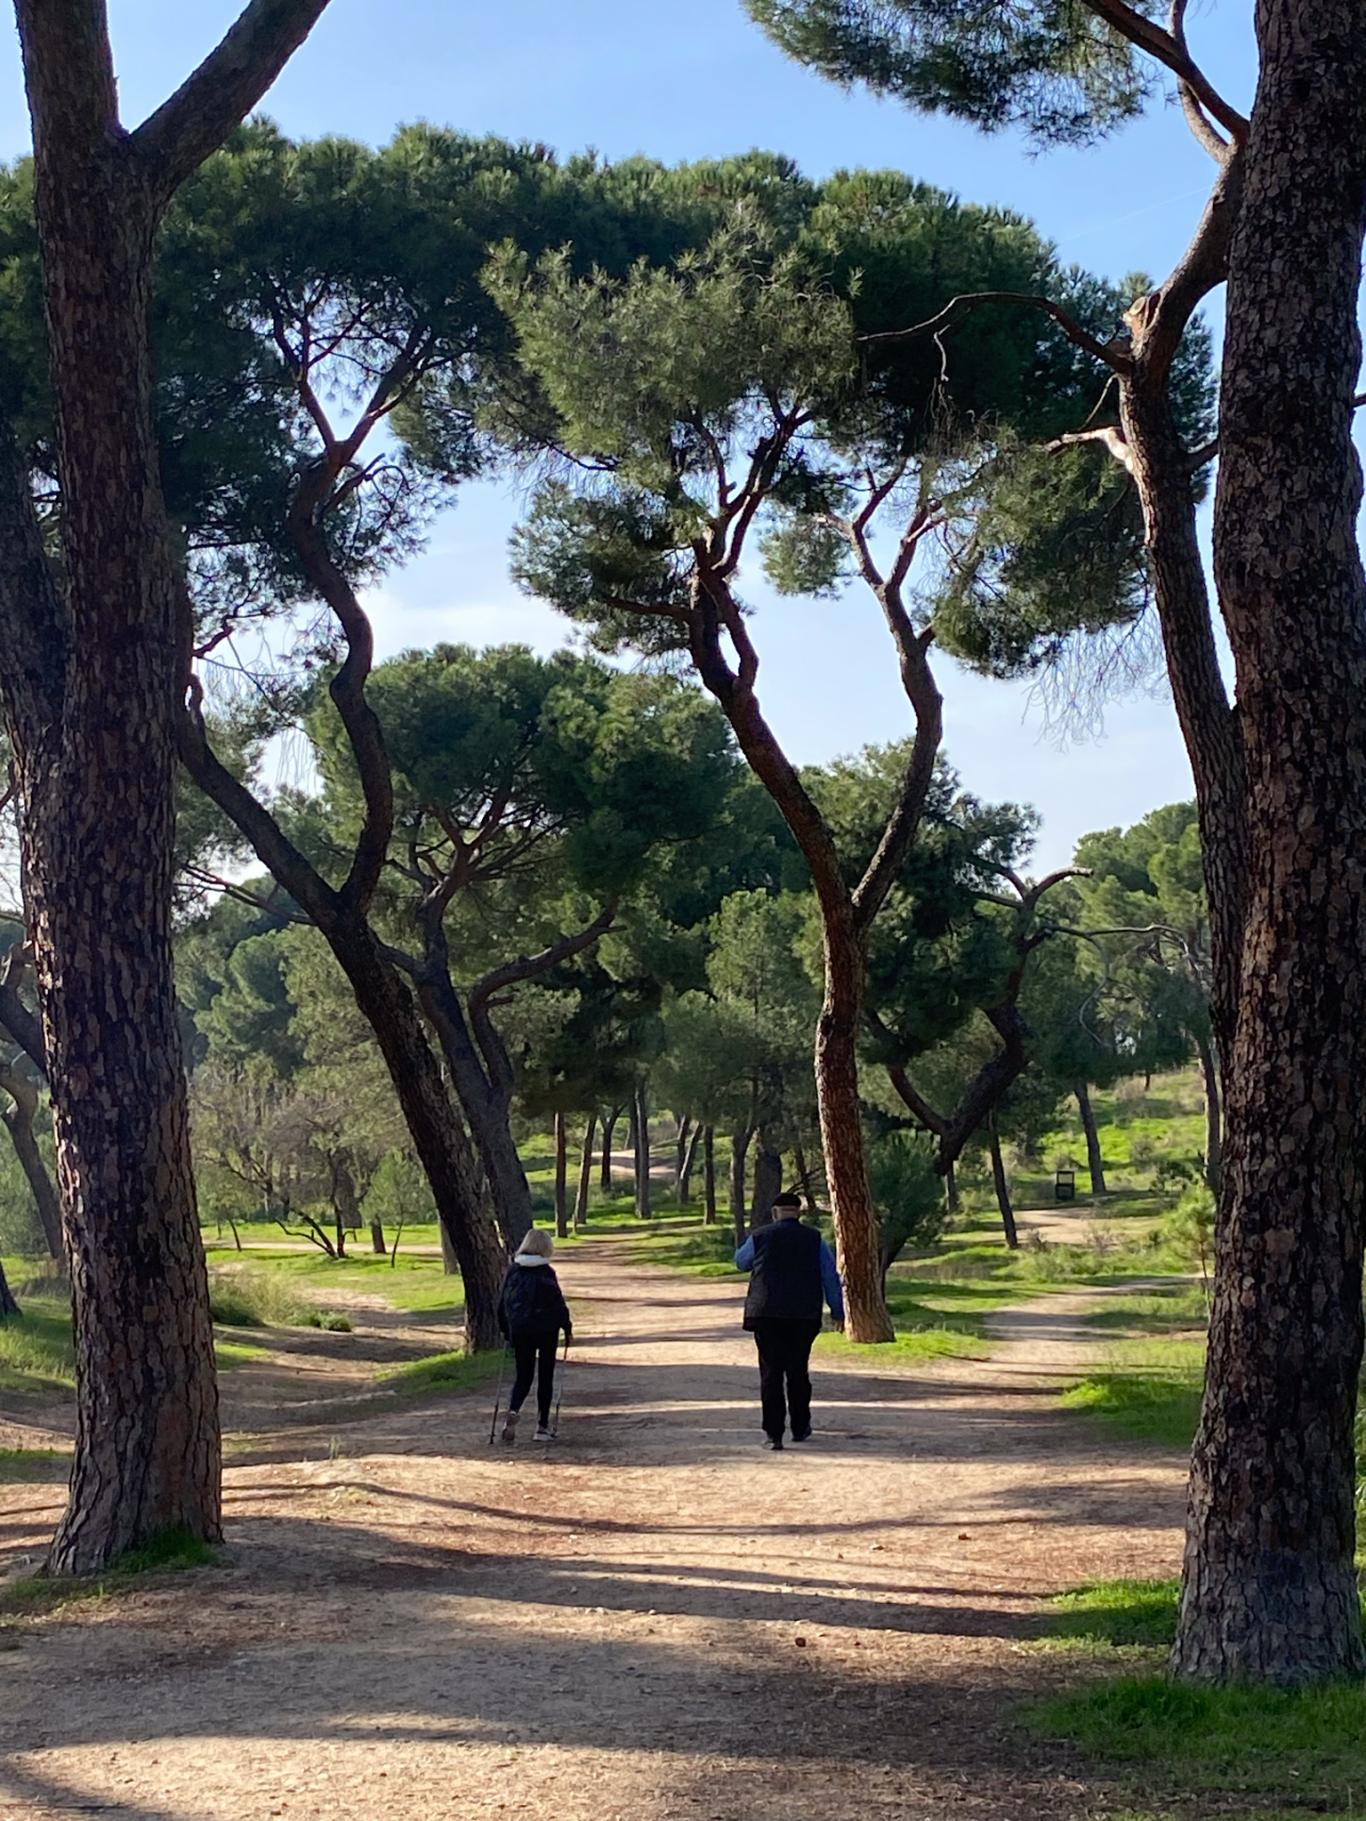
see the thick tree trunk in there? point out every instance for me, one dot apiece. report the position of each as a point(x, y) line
point(19, 1121)
point(1269, 1589)
point(561, 1177)
point(1214, 1114)
point(846, 1169)
point(1094, 1162)
point(8, 1306)
point(685, 1126)
point(1001, 1184)
point(485, 1103)
point(442, 1147)
point(768, 1181)
point(740, 1142)
point(585, 1175)
point(640, 1133)
point(709, 1176)
point(609, 1125)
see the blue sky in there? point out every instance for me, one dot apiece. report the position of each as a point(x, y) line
point(682, 79)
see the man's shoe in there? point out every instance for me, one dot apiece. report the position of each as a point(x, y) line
point(805, 1436)
point(775, 1442)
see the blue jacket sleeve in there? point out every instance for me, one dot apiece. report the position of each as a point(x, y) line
point(744, 1258)
point(830, 1283)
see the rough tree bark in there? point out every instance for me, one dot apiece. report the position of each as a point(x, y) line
point(585, 1175)
point(1270, 1591)
point(92, 683)
point(709, 1176)
point(1095, 1164)
point(8, 1306)
point(740, 1141)
point(687, 1165)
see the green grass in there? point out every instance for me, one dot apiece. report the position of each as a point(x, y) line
point(230, 1354)
point(246, 1296)
point(32, 1466)
point(36, 1352)
point(1308, 1749)
point(1150, 1393)
point(1120, 1614)
point(172, 1551)
point(1170, 1309)
point(457, 1371)
point(414, 1284)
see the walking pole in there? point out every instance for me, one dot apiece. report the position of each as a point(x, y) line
point(559, 1390)
point(498, 1394)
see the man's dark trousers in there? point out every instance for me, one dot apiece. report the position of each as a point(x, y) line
point(784, 1375)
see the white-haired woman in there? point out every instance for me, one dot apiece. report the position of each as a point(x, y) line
point(531, 1313)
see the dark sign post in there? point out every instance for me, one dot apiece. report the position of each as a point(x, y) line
point(1065, 1186)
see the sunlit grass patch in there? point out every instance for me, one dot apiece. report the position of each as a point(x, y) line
point(1150, 1391)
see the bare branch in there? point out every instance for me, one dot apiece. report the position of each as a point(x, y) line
point(1113, 356)
point(198, 117)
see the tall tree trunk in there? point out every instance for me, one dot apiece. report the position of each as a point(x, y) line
point(768, 1180)
point(585, 1175)
point(1214, 1113)
point(561, 1177)
point(739, 1155)
point(8, 1306)
point(709, 1176)
point(379, 1245)
point(486, 1103)
point(439, 1140)
point(1094, 1162)
point(1002, 1186)
point(19, 1121)
point(640, 1128)
point(841, 1116)
point(687, 1165)
point(680, 1153)
point(1269, 1591)
point(951, 1197)
point(609, 1125)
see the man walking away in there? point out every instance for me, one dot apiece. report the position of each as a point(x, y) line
point(531, 1313)
point(792, 1272)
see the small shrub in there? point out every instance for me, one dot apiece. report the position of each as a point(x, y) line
point(243, 1298)
point(1143, 1152)
point(330, 1322)
point(907, 1191)
point(1189, 1229)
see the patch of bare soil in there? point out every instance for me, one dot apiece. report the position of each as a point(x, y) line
point(652, 1620)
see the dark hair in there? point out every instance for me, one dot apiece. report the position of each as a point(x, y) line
point(788, 1199)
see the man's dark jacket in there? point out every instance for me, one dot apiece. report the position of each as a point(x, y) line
point(785, 1278)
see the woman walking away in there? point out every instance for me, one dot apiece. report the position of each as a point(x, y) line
point(531, 1313)
point(792, 1272)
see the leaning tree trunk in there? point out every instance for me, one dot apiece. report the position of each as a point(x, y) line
point(561, 1177)
point(640, 1128)
point(585, 1175)
point(768, 1180)
point(19, 1120)
point(709, 1176)
point(8, 1306)
point(688, 1164)
point(1094, 1162)
point(803, 1169)
point(1270, 1592)
point(442, 1147)
point(1214, 1114)
point(841, 1116)
point(951, 1197)
point(1001, 1183)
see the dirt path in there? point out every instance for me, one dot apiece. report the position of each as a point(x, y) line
point(655, 1620)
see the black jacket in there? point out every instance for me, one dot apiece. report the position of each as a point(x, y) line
point(532, 1306)
point(785, 1277)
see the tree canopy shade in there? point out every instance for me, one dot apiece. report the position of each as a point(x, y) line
point(1269, 1589)
point(92, 668)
